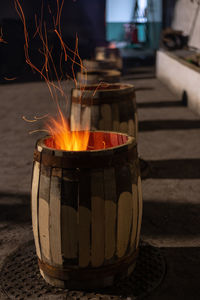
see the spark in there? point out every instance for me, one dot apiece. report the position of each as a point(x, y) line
point(58, 127)
point(38, 130)
point(35, 119)
point(10, 79)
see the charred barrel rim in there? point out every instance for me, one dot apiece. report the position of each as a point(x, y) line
point(130, 142)
point(105, 60)
point(103, 73)
point(103, 93)
point(108, 157)
point(106, 87)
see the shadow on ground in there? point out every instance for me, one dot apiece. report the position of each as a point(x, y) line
point(168, 125)
point(15, 208)
point(174, 168)
point(166, 220)
point(182, 275)
point(178, 222)
point(161, 104)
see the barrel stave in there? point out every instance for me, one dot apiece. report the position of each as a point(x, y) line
point(110, 213)
point(34, 206)
point(44, 213)
point(69, 216)
point(85, 218)
point(55, 217)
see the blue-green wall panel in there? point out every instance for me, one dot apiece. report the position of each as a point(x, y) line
point(115, 32)
point(149, 33)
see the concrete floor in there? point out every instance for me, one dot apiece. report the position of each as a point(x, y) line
point(169, 139)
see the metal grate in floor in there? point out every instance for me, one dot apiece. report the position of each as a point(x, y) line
point(20, 278)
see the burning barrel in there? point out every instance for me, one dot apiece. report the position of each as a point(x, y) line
point(105, 107)
point(97, 76)
point(87, 210)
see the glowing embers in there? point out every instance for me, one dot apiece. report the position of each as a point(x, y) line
point(86, 140)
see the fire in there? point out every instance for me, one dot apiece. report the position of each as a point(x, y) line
point(59, 129)
point(63, 138)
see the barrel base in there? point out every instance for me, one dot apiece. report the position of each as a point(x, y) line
point(93, 283)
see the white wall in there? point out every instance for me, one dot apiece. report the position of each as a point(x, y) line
point(167, 68)
point(184, 15)
point(119, 10)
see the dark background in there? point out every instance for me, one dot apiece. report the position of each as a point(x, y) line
point(84, 18)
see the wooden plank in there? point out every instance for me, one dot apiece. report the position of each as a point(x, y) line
point(126, 110)
point(55, 215)
point(115, 117)
point(134, 174)
point(98, 231)
point(101, 124)
point(69, 233)
point(136, 126)
point(110, 212)
point(95, 117)
point(135, 214)
point(120, 139)
point(106, 112)
point(131, 128)
point(34, 202)
point(140, 209)
point(44, 228)
point(75, 118)
point(99, 140)
point(123, 127)
point(124, 222)
point(69, 217)
point(85, 118)
point(84, 219)
point(124, 214)
point(44, 212)
point(52, 281)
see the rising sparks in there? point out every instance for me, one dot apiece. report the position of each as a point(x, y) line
point(59, 127)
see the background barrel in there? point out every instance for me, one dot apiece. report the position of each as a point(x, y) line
point(105, 107)
point(86, 211)
point(103, 53)
point(97, 76)
point(96, 64)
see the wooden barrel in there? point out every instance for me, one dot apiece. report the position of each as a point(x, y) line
point(96, 64)
point(87, 211)
point(97, 76)
point(105, 107)
point(103, 53)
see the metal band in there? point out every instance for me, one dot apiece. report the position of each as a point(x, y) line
point(86, 161)
point(77, 273)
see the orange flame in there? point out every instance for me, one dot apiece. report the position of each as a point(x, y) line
point(63, 138)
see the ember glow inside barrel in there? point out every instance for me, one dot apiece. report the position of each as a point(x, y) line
point(87, 211)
